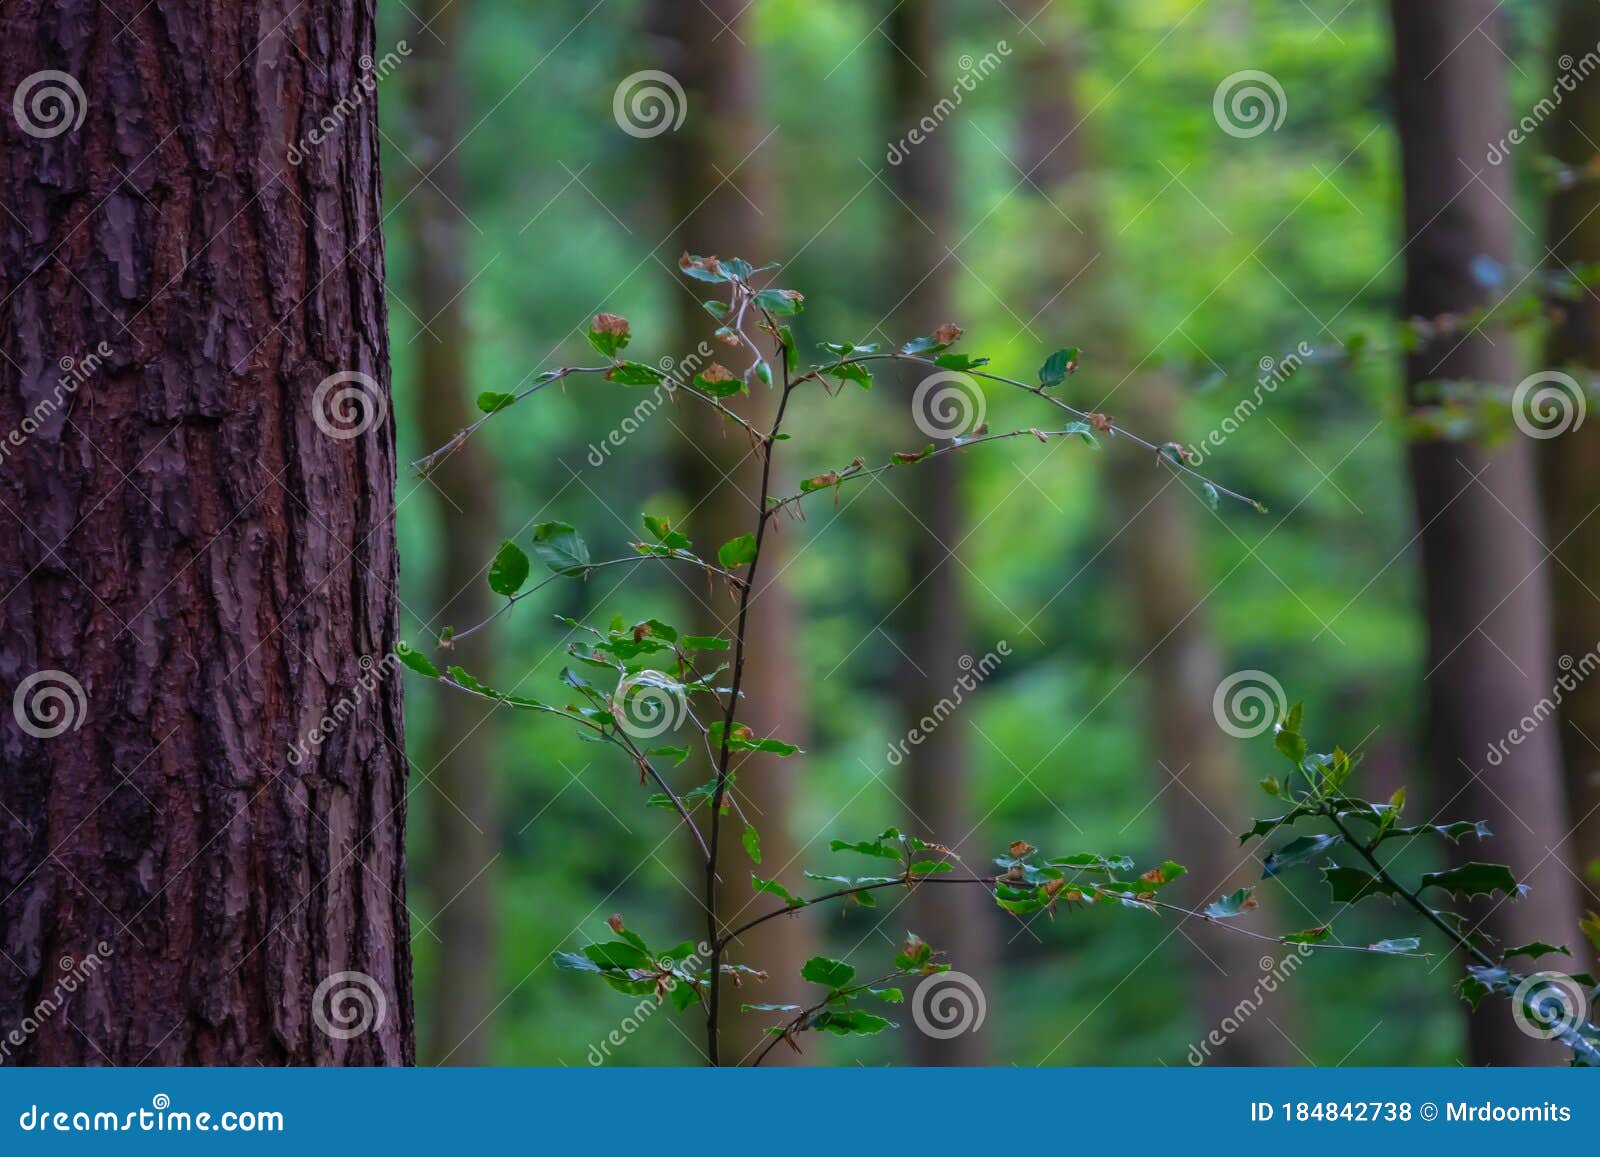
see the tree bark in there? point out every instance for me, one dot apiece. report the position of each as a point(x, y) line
point(458, 755)
point(192, 549)
point(930, 623)
point(1484, 583)
point(722, 203)
point(1571, 486)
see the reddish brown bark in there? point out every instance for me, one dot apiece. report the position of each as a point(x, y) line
point(722, 202)
point(1485, 587)
point(191, 547)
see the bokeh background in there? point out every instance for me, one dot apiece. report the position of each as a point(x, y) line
point(1084, 195)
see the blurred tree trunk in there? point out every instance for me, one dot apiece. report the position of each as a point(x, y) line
point(930, 623)
point(200, 546)
point(462, 822)
point(1571, 481)
point(720, 197)
point(1200, 783)
point(1485, 588)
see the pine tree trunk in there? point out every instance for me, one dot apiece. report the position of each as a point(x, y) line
point(930, 623)
point(708, 49)
point(197, 565)
point(457, 757)
point(1571, 484)
point(1484, 584)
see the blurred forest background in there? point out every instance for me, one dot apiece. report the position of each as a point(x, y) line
point(1082, 193)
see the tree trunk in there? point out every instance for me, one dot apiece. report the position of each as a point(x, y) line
point(930, 623)
point(462, 821)
point(719, 474)
point(1201, 786)
point(1199, 782)
point(1489, 660)
point(212, 809)
point(1571, 485)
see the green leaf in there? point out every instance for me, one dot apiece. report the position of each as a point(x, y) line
point(1287, 737)
point(1213, 499)
point(560, 548)
point(575, 962)
point(916, 956)
point(635, 374)
point(769, 1008)
point(780, 302)
point(609, 342)
point(509, 570)
point(619, 954)
point(491, 402)
point(1298, 851)
point(931, 867)
point(1057, 366)
point(1349, 885)
point(1475, 879)
point(1454, 832)
point(752, 842)
point(1406, 944)
point(1231, 905)
point(828, 972)
point(851, 372)
point(737, 551)
point(791, 352)
point(776, 889)
point(1310, 935)
point(850, 1022)
point(1535, 949)
point(866, 848)
point(416, 660)
point(1082, 430)
point(959, 362)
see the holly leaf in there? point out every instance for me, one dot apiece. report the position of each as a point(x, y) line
point(1349, 885)
point(1475, 879)
point(1298, 851)
point(1535, 949)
